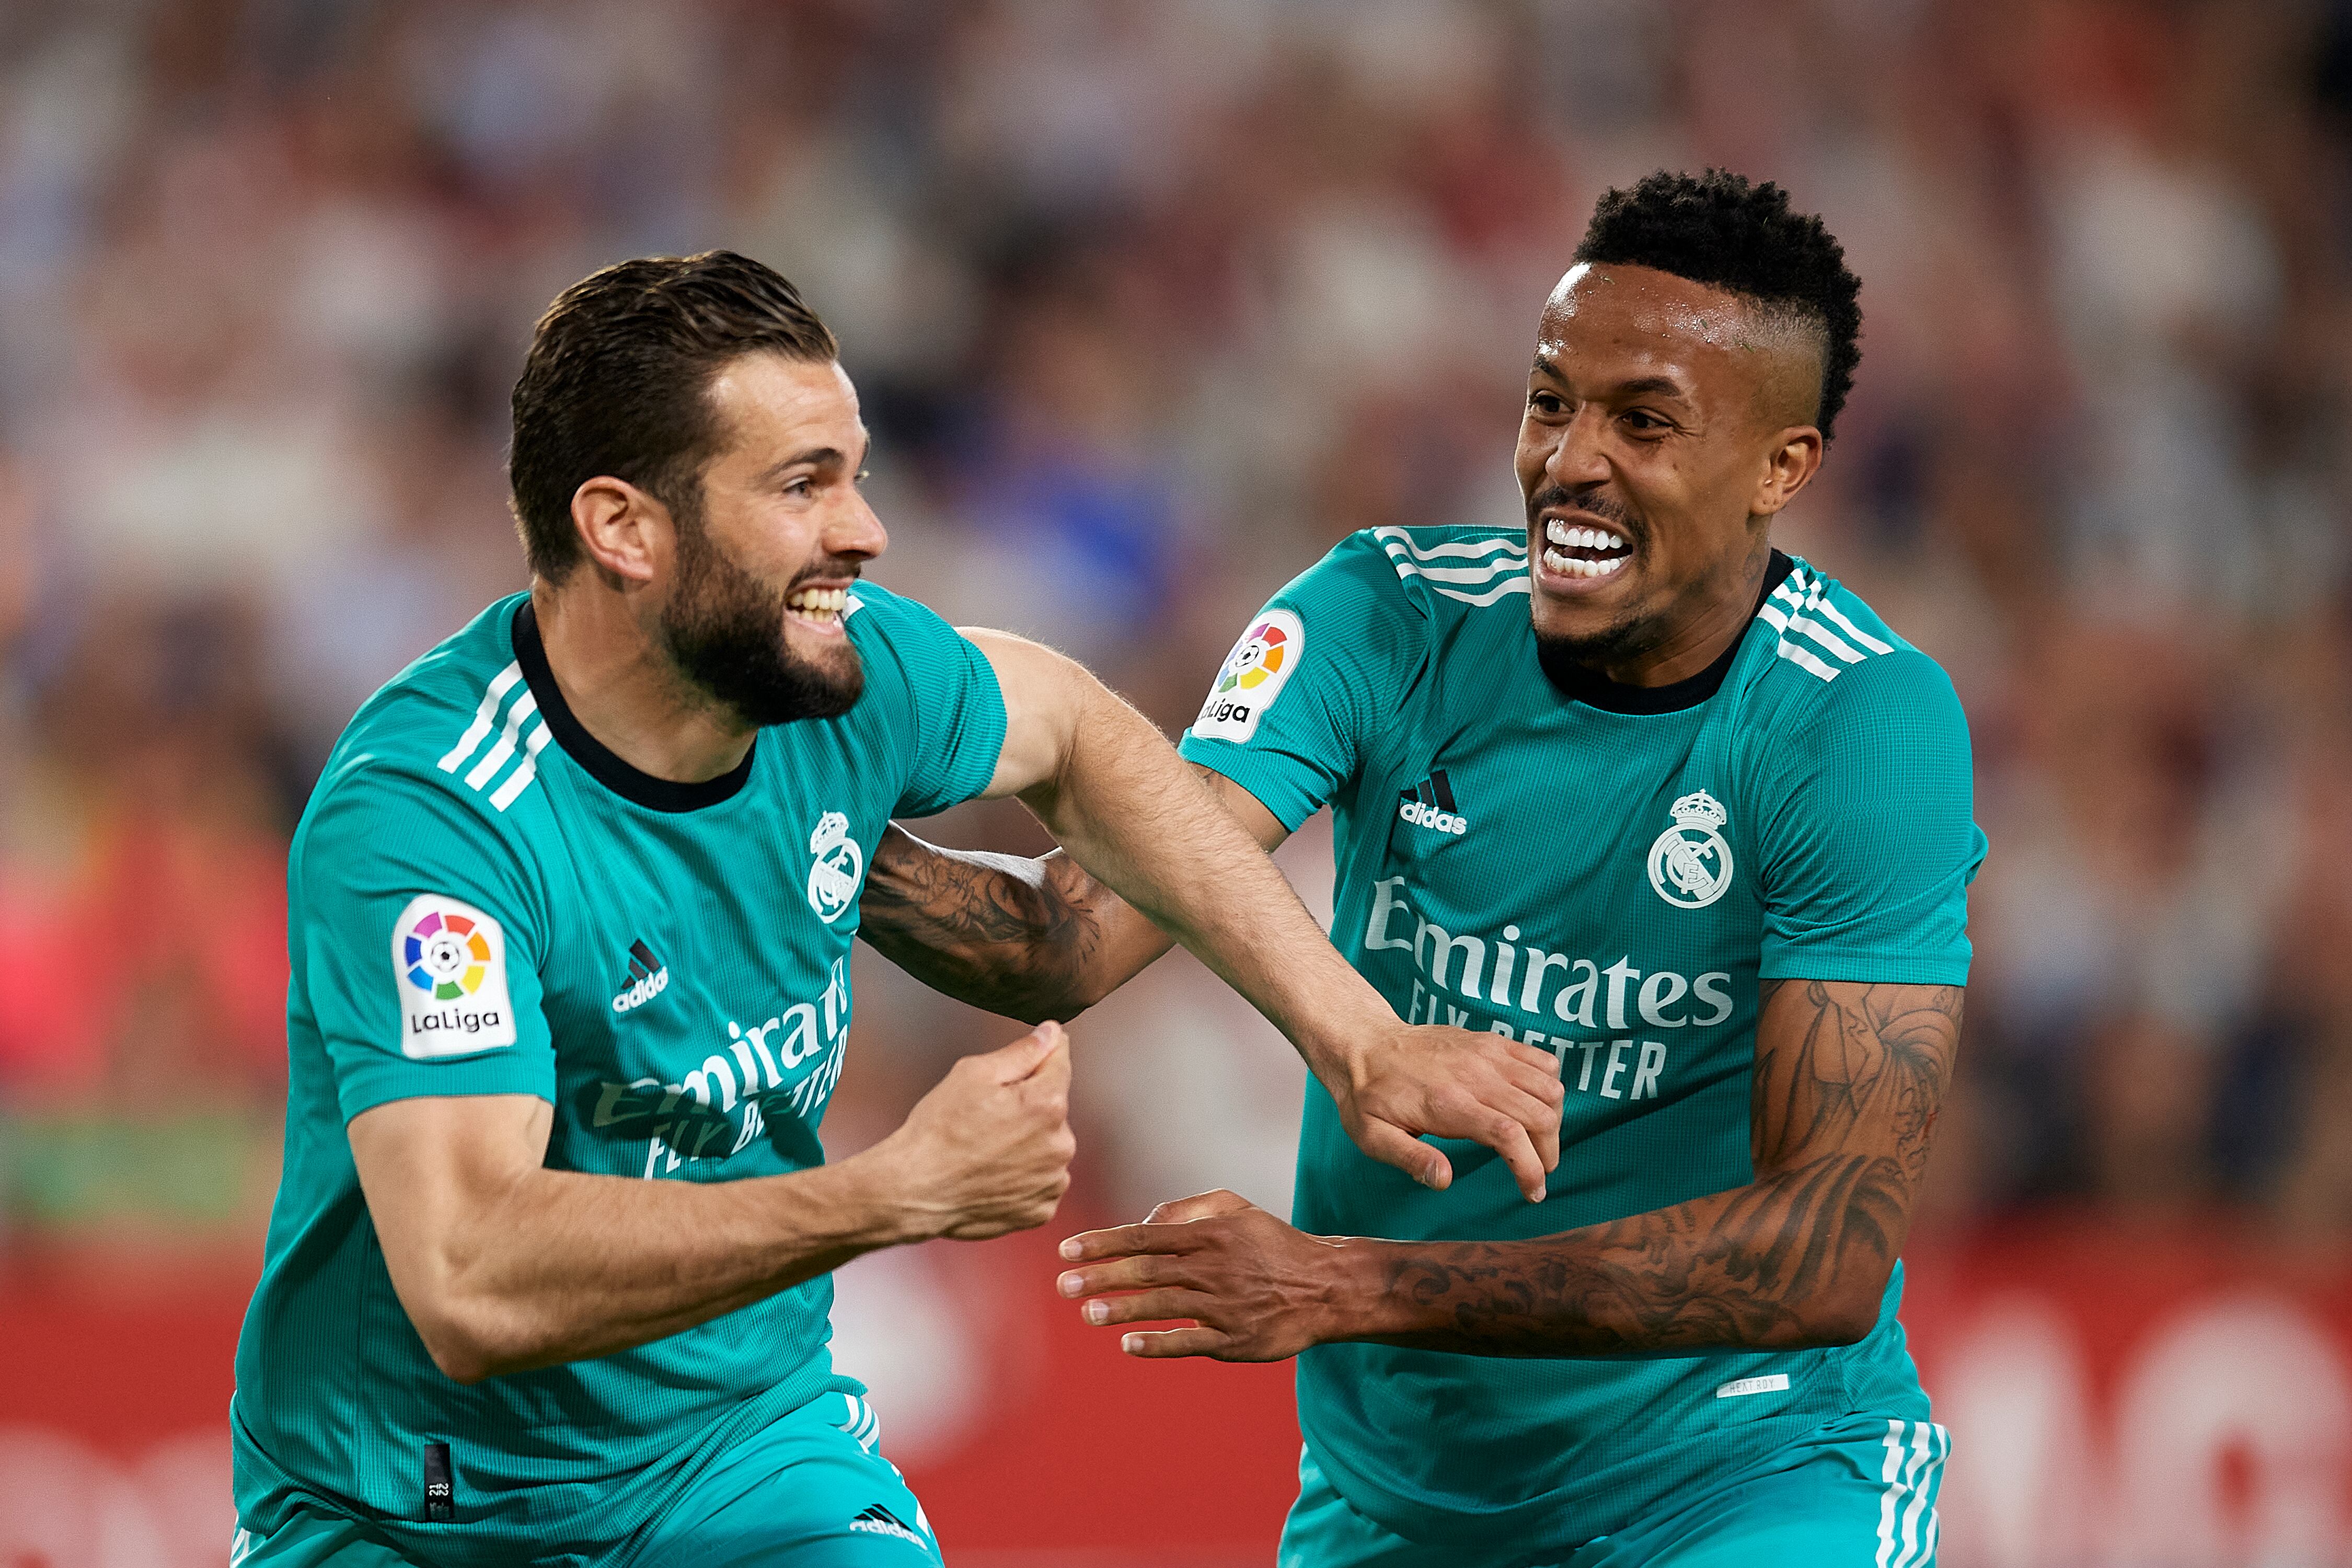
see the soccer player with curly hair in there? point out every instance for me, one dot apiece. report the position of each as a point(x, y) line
point(1628, 783)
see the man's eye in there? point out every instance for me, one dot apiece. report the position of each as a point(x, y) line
point(1641, 420)
point(1544, 402)
point(802, 486)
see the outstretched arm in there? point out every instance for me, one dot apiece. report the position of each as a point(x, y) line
point(1114, 792)
point(1030, 938)
point(1849, 1080)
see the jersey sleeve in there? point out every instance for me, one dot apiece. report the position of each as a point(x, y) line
point(418, 943)
point(937, 692)
point(1869, 840)
point(1314, 680)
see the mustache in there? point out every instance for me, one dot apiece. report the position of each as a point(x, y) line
point(847, 566)
point(1592, 498)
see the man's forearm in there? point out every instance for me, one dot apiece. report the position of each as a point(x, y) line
point(1030, 938)
point(564, 1266)
point(1142, 822)
point(1795, 1261)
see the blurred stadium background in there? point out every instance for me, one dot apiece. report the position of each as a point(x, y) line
point(1148, 303)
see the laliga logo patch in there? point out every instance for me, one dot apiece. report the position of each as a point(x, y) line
point(1253, 677)
point(449, 967)
point(832, 880)
point(1690, 864)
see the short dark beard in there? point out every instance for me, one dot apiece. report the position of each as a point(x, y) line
point(1611, 648)
point(724, 630)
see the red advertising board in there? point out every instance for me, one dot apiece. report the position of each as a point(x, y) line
point(2115, 1398)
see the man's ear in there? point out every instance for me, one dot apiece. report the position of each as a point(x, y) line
point(1795, 457)
point(627, 535)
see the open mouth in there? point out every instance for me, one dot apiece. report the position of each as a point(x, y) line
point(1574, 551)
point(817, 607)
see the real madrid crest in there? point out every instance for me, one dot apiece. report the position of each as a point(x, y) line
point(1690, 864)
point(832, 880)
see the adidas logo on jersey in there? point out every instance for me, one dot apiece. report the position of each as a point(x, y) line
point(880, 1521)
point(648, 978)
point(1430, 804)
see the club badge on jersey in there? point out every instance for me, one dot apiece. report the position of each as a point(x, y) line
point(1253, 676)
point(833, 879)
point(450, 966)
point(1690, 864)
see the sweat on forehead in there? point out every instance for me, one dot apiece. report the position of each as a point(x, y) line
point(1690, 318)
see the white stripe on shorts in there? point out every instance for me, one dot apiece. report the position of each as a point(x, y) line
point(1908, 1528)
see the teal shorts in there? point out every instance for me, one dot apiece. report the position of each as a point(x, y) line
point(1858, 1493)
point(810, 1490)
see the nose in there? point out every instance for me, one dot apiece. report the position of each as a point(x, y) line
point(854, 532)
point(1576, 458)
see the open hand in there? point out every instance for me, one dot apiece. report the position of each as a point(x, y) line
point(1255, 1288)
point(1452, 1083)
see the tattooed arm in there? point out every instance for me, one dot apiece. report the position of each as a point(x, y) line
point(1030, 938)
point(1849, 1078)
point(1042, 939)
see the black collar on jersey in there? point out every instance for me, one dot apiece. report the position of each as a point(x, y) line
point(1579, 684)
point(602, 766)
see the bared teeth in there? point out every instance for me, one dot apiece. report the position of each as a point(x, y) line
point(817, 603)
point(1594, 539)
point(1565, 566)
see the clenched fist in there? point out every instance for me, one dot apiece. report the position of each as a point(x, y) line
point(988, 1151)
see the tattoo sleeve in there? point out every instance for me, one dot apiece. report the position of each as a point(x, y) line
point(1029, 939)
point(1849, 1080)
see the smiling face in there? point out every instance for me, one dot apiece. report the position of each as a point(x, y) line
point(1666, 422)
point(753, 616)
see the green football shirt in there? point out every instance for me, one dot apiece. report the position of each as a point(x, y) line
point(1606, 872)
point(483, 900)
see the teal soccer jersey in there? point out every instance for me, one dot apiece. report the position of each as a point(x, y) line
point(1606, 872)
point(484, 901)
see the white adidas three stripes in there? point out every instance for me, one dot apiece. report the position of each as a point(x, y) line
point(511, 740)
point(1502, 571)
point(1908, 1524)
point(1791, 609)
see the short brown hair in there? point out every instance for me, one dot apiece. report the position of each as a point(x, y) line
point(617, 378)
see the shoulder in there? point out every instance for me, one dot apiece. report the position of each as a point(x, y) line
point(1836, 663)
point(875, 614)
point(1443, 571)
point(451, 743)
point(1400, 585)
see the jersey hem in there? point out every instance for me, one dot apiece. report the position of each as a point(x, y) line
point(364, 1087)
point(1291, 806)
point(1866, 968)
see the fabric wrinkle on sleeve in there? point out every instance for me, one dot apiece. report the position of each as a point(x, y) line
point(1353, 637)
point(1869, 838)
point(418, 942)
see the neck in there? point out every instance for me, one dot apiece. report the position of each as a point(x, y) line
point(623, 689)
point(1719, 614)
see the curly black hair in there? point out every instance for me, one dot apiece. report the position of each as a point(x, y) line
point(1719, 229)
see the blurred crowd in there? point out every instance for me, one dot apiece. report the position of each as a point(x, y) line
point(1149, 303)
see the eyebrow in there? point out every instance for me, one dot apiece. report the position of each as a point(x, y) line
point(814, 458)
point(1644, 386)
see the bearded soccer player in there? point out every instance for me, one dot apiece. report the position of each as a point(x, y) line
point(1632, 786)
point(547, 1281)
